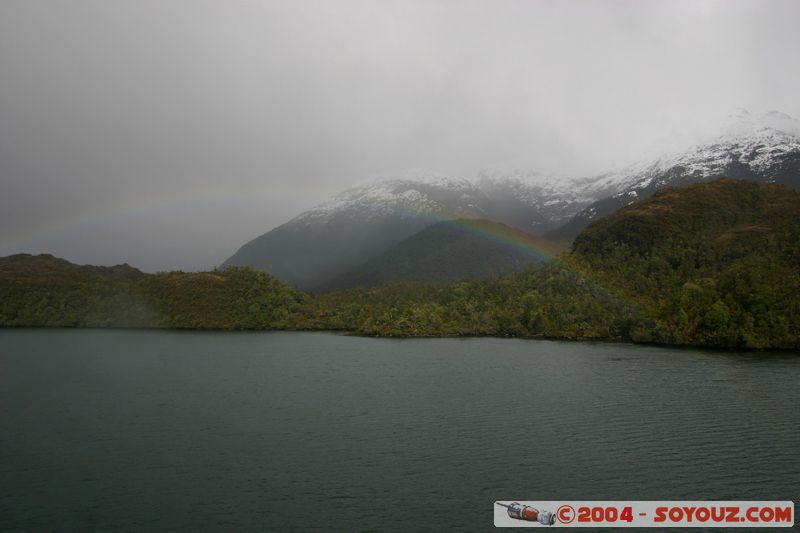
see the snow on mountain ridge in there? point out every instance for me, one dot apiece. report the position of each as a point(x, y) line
point(413, 192)
point(416, 174)
point(763, 149)
point(373, 216)
point(426, 193)
point(744, 124)
point(755, 141)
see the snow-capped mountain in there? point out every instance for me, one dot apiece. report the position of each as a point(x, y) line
point(764, 148)
point(555, 198)
point(410, 193)
point(370, 218)
point(527, 200)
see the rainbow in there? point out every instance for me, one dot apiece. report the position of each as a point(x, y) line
point(538, 249)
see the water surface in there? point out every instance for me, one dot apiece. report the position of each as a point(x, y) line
point(107, 430)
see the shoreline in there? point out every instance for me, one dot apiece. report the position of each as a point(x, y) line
point(351, 333)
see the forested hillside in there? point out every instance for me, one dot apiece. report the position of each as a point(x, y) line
point(713, 264)
point(46, 291)
point(716, 264)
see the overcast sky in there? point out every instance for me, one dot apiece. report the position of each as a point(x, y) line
point(166, 134)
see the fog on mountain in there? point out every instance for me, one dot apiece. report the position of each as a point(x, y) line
point(339, 236)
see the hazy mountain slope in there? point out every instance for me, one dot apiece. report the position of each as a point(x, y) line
point(764, 149)
point(338, 236)
point(364, 221)
point(450, 251)
point(545, 202)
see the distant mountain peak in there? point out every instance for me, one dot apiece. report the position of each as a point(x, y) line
point(763, 147)
point(417, 174)
point(375, 215)
point(742, 123)
point(410, 192)
point(738, 113)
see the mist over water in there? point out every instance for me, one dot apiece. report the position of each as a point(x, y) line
point(157, 431)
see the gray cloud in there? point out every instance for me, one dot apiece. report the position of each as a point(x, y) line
point(166, 134)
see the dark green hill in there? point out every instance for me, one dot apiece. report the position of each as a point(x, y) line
point(46, 291)
point(450, 251)
point(715, 263)
point(45, 268)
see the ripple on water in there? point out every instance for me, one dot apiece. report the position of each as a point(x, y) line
point(119, 431)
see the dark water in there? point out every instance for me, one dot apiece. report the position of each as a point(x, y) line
point(161, 431)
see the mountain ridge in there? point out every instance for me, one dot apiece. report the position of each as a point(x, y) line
point(366, 220)
point(764, 149)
